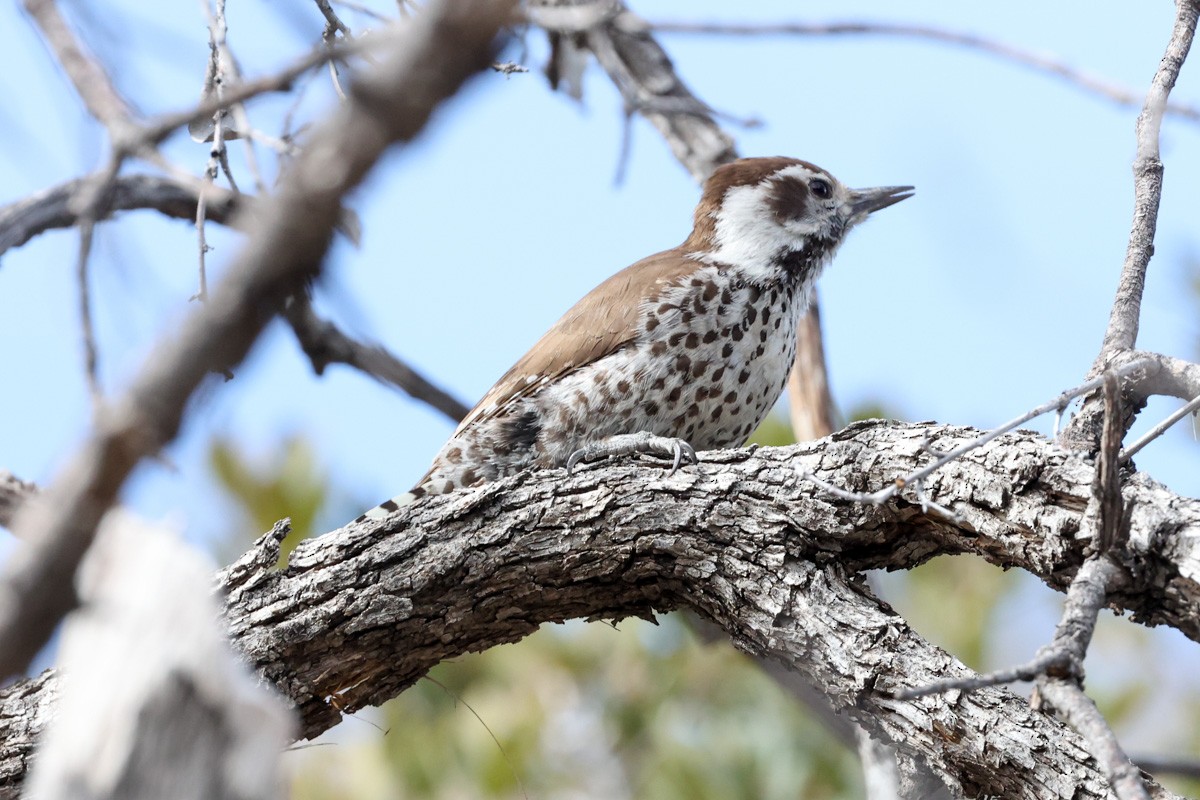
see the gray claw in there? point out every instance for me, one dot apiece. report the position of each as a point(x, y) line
point(681, 449)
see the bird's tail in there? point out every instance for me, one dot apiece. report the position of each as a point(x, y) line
point(398, 502)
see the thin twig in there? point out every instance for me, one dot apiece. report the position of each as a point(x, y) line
point(1166, 765)
point(214, 81)
point(1027, 58)
point(158, 128)
point(1058, 667)
point(324, 344)
point(332, 20)
point(1078, 710)
point(1060, 402)
point(362, 9)
point(1158, 430)
point(1147, 187)
point(1023, 672)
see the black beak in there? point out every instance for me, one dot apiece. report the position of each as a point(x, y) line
point(867, 201)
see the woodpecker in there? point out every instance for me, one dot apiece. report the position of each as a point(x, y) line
point(685, 350)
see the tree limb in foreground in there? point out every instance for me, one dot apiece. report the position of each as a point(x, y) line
point(391, 103)
point(363, 612)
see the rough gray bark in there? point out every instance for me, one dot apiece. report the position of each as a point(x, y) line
point(360, 614)
point(26, 709)
point(363, 612)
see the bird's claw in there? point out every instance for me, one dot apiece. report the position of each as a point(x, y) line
point(681, 449)
point(676, 449)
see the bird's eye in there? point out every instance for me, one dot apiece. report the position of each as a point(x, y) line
point(821, 188)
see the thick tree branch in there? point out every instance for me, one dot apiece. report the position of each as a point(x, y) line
point(392, 102)
point(361, 613)
point(26, 711)
point(743, 543)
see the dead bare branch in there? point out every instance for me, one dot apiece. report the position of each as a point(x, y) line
point(645, 77)
point(51, 209)
point(1039, 62)
point(1147, 187)
point(810, 403)
point(325, 344)
point(444, 45)
point(1124, 318)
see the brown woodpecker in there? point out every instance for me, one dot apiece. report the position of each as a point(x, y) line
point(688, 348)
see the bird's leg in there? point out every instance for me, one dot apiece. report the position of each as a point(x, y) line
point(641, 442)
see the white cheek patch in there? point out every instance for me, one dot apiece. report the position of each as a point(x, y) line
point(803, 227)
point(747, 233)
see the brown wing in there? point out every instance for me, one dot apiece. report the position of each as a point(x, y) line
point(599, 324)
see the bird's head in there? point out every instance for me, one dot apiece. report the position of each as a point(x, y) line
point(759, 214)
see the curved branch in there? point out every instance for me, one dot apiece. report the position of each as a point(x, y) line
point(745, 543)
point(1038, 62)
point(51, 209)
point(361, 613)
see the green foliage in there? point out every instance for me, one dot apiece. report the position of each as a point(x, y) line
point(591, 710)
point(775, 431)
point(952, 602)
point(289, 484)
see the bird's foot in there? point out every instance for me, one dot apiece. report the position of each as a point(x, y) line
point(642, 442)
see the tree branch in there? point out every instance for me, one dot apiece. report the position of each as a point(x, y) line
point(445, 45)
point(645, 77)
point(324, 344)
point(1147, 187)
point(1120, 337)
point(13, 492)
point(52, 209)
point(1038, 62)
point(361, 613)
point(810, 403)
point(154, 701)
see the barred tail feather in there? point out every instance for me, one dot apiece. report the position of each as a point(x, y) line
point(387, 507)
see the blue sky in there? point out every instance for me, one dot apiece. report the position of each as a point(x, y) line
point(985, 295)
